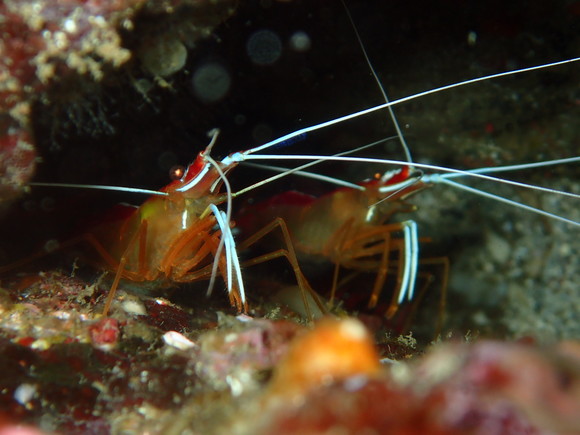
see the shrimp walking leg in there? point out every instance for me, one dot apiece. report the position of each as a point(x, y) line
point(357, 253)
point(441, 280)
point(289, 253)
point(138, 237)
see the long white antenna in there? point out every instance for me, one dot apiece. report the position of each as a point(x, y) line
point(101, 187)
point(406, 149)
point(284, 172)
point(438, 178)
point(238, 156)
point(508, 201)
point(465, 173)
point(290, 171)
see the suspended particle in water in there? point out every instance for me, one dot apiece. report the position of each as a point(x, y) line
point(211, 82)
point(51, 245)
point(262, 133)
point(240, 119)
point(471, 38)
point(164, 57)
point(300, 41)
point(143, 86)
point(47, 204)
point(264, 47)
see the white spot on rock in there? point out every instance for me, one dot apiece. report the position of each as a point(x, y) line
point(177, 340)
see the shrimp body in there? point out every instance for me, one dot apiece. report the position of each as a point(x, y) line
point(349, 227)
point(316, 224)
point(174, 236)
point(167, 220)
point(170, 221)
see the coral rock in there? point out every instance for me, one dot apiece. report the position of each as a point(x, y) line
point(333, 350)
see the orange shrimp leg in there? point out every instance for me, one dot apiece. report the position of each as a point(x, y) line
point(197, 243)
point(429, 278)
point(354, 250)
point(444, 263)
point(341, 240)
point(289, 253)
point(210, 246)
point(113, 264)
point(357, 252)
point(192, 240)
point(184, 254)
point(139, 236)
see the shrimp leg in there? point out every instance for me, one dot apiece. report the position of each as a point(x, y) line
point(139, 236)
point(289, 253)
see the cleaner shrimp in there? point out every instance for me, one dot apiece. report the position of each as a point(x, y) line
point(514, 255)
point(332, 64)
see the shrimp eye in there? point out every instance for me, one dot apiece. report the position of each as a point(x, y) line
point(176, 172)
